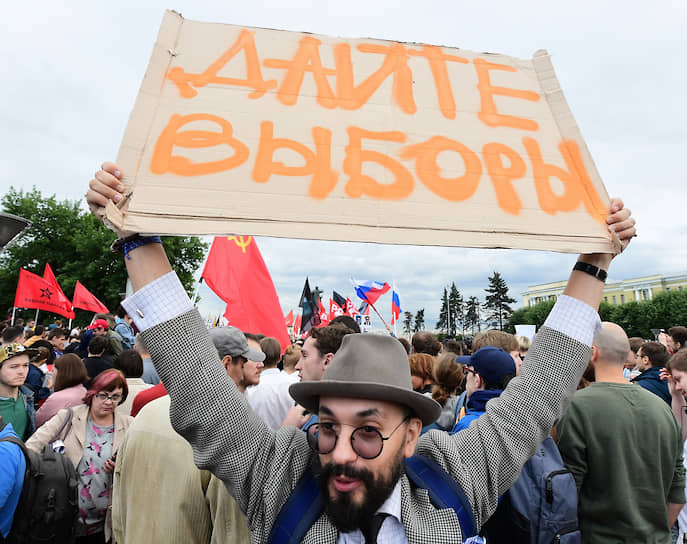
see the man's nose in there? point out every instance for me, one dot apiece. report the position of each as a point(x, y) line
point(343, 452)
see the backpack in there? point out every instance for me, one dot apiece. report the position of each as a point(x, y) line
point(541, 506)
point(48, 504)
point(305, 504)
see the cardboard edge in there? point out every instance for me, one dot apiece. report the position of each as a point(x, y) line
point(183, 226)
point(141, 117)
point(568, 128)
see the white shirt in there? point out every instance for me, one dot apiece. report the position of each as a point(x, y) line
point(270, 398)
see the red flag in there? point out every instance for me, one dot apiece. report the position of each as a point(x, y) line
point(351, 309)
point(35, 292)
point(237, 274)
point(289, 319)
point(297, 325)
point(85, 300)
point(324, 318)
point(49, 276)
point(334, 310)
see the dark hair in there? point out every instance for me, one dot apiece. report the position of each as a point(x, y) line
point(38, 330)
point(251, 336)
point(679, 335)
point(657, 353)
point(98, 344)
point(11, 333)
point(678, 361)
point(272, 350)
point(635, 343)
point(426, 342)
point(405, 344)
point(346, 321)
point(448, 376)
point(42, 356)
point(121, 312)
point(454, 346)
point(107, 380)
point(328, 339)
point(422, 365)
point(47, 345)
point(70, 371)
point(130, 363)
point(57, 332)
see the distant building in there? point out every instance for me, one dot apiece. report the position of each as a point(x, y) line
point(617, 292)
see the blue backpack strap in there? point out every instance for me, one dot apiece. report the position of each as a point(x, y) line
point(299, 512)
point(444, 491)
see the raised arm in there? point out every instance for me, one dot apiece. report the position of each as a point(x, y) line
point(487, 457)
point(146, 263)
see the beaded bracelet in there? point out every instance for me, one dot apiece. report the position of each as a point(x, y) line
point(125, 245)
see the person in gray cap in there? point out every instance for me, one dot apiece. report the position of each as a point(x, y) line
point(242, 363)
point(369, 416)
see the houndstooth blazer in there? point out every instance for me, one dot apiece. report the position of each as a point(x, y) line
point(261, 467)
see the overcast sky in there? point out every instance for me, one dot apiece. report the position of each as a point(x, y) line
point(71, 73)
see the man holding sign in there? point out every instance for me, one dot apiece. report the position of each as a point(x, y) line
point(369, 417)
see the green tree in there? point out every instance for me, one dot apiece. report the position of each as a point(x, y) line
point(497, 300)
point(419, 321)
point(531, 315)
point(75, 244)
point(455, 304)
point(407, 322)
point(443, 324)
point(472, 317)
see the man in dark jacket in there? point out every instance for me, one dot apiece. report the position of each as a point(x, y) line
point(651, 357)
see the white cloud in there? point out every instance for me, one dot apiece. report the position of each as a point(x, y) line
point(72, 72)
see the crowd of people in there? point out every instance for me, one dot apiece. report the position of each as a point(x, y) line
point(179, 433)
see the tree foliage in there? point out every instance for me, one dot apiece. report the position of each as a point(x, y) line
point(497, 301)
point(472, 315)
point(76, 245)
point(444, 316)
point(419, 321)
point(407, 322)
point(455, 303)
point(666, 310)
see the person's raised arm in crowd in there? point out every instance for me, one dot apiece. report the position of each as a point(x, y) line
point(261, 467)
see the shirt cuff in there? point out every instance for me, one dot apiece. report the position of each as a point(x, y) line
point(574, 318)
point(159, 301)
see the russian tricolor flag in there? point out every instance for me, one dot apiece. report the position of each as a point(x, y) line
point(395, 307)
point(370, 291)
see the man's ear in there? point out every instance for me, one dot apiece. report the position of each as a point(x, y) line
point(328, 359)
point(226, 362)
point(412, 435)
point(595, 355)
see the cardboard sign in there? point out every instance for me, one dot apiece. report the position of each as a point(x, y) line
point(276, 133)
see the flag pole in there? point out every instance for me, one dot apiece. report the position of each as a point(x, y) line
point(36, 318)
point(380, 315)
point(14, 309)
point(393, 290)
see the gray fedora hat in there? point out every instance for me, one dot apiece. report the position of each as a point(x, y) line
point(368, 366)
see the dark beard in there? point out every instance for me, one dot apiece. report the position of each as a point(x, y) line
point(345, 515)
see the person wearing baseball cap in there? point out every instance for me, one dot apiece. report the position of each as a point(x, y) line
point(488, 372)
point(16, 400)
point(369, 417)
point(242, 363)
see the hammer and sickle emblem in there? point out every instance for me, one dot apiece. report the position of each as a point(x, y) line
point(242, 241)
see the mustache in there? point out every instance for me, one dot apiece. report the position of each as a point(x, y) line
point(332, 469)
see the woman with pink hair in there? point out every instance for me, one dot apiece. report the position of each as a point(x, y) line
point(91, 438)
